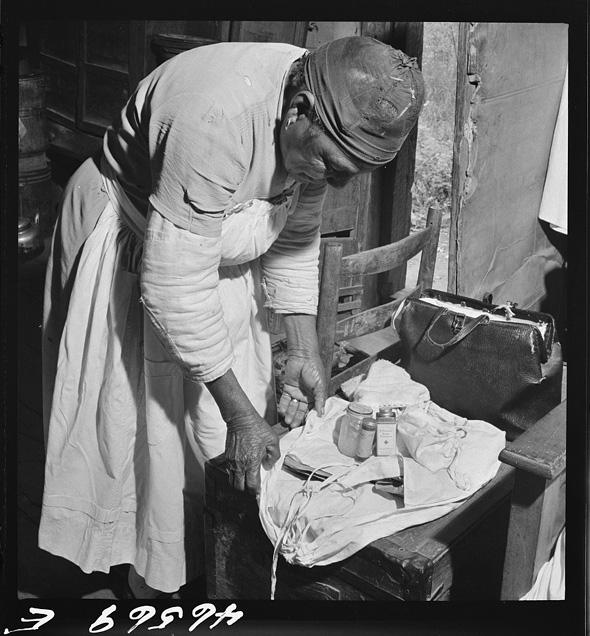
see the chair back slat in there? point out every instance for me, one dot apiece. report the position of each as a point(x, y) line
point(382, 259)
point(372, 319)
point(366, 321)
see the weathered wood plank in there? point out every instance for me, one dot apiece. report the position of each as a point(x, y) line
point(428, 258)
point(321, 32)
point(460, 151)
point(552, 520)
point(541, 449)
point(366, 321)
point(269, 31)
point(529, 510)
point(471, 567)
point(399, 174)
point(349, 305)
point(350, 290)
point(340, 219)
point(407, 577)
point(378, 30)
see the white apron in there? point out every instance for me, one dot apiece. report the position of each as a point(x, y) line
point(127, 436)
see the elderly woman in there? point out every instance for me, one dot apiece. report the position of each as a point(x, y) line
point(174, 250)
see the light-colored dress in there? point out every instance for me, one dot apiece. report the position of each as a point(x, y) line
point(152, 290)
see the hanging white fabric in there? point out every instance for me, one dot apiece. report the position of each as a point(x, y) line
point(553, 208)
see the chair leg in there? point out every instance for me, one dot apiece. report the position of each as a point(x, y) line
point(328, 308)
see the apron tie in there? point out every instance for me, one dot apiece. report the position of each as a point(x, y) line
point(121, 203)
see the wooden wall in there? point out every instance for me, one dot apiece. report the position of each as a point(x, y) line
point(92, 67)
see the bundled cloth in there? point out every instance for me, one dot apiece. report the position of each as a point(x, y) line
point(443, 459)
point(386, 383)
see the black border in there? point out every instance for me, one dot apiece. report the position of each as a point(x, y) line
point(74, 617)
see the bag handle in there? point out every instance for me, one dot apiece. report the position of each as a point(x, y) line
point(426, 343)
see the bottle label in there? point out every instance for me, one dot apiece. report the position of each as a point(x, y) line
point(386, 439)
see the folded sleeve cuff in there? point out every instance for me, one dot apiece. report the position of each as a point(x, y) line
point(214, 372)
point(287, 296)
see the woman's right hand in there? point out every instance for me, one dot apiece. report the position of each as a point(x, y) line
point(250, 443)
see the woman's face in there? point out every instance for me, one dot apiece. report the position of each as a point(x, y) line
point(311, 156)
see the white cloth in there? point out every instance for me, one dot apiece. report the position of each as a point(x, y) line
point(445, 456)
point(124, 426)
point(553, 208)
point(550, 582)
point(317, 523)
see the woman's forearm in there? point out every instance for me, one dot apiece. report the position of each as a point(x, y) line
point(231, 399)
point(302, 337)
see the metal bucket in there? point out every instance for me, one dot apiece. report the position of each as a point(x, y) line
point(36, 192)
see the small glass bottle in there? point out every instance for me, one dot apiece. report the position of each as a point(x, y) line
point(350, 427)
point(364, 447)
point(386, 431)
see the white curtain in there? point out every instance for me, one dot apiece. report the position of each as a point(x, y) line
point(554, 202)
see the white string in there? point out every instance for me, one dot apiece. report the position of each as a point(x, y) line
point(293, 514)
point(453, 447)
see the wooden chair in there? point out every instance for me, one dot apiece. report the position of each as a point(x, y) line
point(374, 261)
point(537, 507)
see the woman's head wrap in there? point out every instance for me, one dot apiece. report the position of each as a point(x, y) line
point(368, 95)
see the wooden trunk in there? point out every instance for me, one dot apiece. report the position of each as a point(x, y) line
point(457, 557)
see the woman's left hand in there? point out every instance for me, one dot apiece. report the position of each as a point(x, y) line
point(304, 383)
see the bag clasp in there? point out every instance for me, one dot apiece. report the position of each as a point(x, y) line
point(458, 322)
point(509, 307)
